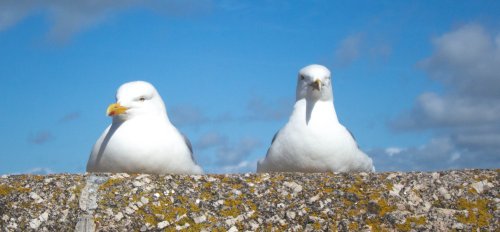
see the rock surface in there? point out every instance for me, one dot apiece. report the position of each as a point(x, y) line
point(438, 201)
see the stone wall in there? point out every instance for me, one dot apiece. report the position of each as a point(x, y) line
point(452, 200)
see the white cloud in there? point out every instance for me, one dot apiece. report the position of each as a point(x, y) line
point(432, 110)
point(187, 115)
point(242, 167)
point(466, 62)
point(439, 154)
point(41, 137)
point(393, 150)
point(72, 116)
point(226, 154)
point(229, 154)
point(260, 109)
point(348, 50)
point(12, 11)
point(70, 17)
point(39, 171)
point(257, 109)
point(35, 171)
point(211, 139)
point(357, 46)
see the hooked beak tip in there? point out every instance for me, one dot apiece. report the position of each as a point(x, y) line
point(115, 109)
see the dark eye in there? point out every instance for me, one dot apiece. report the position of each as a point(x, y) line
point(142, 99)
point(302, 77)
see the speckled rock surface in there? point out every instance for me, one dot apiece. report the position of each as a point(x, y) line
point(452, 200)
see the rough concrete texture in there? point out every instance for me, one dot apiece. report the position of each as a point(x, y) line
point(452, 200)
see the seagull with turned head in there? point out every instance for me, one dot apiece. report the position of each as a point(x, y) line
point(141, 138)
point(313, 140)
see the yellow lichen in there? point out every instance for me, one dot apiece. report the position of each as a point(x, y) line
point(317, 226)
point(374, 224)
point(353, 226)
point(230, 208)
point(410, 223)
point(384, 207)
point(110, 183)
point(389, 185)
point(477, 213)
point(6, 190)
point(148, 218)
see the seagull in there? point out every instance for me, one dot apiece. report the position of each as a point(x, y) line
point(313, 140)
point(141, 138)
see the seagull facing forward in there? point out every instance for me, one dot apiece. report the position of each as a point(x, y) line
point(313, 140)
point(141, 138)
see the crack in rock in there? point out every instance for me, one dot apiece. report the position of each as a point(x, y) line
point(88, 203)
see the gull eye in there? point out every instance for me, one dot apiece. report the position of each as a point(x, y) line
point(142, 99)
point(302, 77)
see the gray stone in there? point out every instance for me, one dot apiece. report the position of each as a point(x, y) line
point(85, 224)
point(396, 189)
point(36, 198)
point(461, 200)
point(118, 216)
point(480, 186)
point(294, 186)
point(162, 225)
point(290, 214)
point(144, 200)
point(200, 219)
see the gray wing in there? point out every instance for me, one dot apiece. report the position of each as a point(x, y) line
point(274, 137)
point(353, 137)
point(188, 143)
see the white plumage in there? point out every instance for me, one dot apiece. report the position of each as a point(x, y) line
point(313, 140)
point(141, 138)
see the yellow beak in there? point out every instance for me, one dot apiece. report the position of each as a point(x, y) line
point(317, 85)
point(115, 109)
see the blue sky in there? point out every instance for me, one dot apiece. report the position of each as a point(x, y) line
point(416, 82)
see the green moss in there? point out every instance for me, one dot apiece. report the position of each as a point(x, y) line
point(477, 215)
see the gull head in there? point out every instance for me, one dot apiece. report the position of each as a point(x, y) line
point(134, 99)
point(314, 83)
